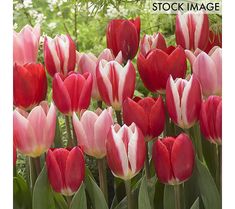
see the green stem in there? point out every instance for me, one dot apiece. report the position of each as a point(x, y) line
point(119, 117)
point(67, 123)
point(147, 167)
point(37, 165)
point(198, 141)
point(32, 174)
point(177, 196)
point(128, 193)
point(220, 167)
point(69, 200)
point(103, 177)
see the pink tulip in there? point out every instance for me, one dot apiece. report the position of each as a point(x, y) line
point(92, 131)
point(59, 54)
point(183, 100)
point(125, 150)
point(150, 42)
point(25, 45)
point(115, 83)
point(192, 30)
point(208, 70)
point(34, 132)
point(88, 63)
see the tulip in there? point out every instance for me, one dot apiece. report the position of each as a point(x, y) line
point(192, 30)
point(215, 39)
point(125, 151)
point(123, 35)
point(208, 70)
point(173, 159)
point(30, 85)
point(66, 169)
point(73, 93)
point(115, 83)
point(34, 132)
point(211, 119)
point(157, 65)
point(183, 100)
point(147, 113)
point(88, 63)
point(92, 131)
point(25, 45)
point(150, 42)
point(59, 54)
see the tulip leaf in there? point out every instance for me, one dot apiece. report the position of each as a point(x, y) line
point(95, 194)
point(143, 200)
point(79, 199)
point(158, 195)
point(195, 204)
point(168, 199)
point(60, 202)
point(42, 193)
point(21, 194)
point(208, 190)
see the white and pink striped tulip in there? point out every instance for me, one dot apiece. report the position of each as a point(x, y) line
point(25, 45)
point(34, 132)
point(115, 83)
point(192, 30)
point(88, 62)
point(125, 150)
point(59, 54)
point(92, 131)
point(183, 100)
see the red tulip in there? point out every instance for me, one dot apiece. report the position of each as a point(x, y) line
point(92, 131)
point(73, 93)
point(65, 169)
point(215, 39)
point(211, 119)
point(123, 35)
point(125, 150)
point(183, 100)
point(115, 83)
point(192, 30)
point(147, 113)
point(173, 159)
point(30, 85)
point(157, 65)
point(25, 45)
point(59, 54)
point(150, 42)
point(34, 132)
point(88, 63)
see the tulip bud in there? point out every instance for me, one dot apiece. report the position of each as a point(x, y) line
point(147, 113)
point(88, 63)
point(125, 151)
point(30, 85)
point(150, 42)
point(92, 131)
point(208, 70)
point(115, 83)
point(173, 159)
point(215, 39)
point(59, 54)
point(183, 100)
point(65, 169)
point(211, 119)
point(25, 45)
point(34, 132)
point(73, 93)
point(157, 65)
point(123, 35)
point(192, 30)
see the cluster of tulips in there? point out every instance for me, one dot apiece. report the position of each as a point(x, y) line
point(182, 100)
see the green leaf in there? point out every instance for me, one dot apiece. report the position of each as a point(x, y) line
point(143, 200)
point(158, 195)
point(195, 204)
point(21, 194)
point(42, 193)
point(95, 194)
point(60, 202)
point(208, 190)
point(79, 199)
point(169, 199)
